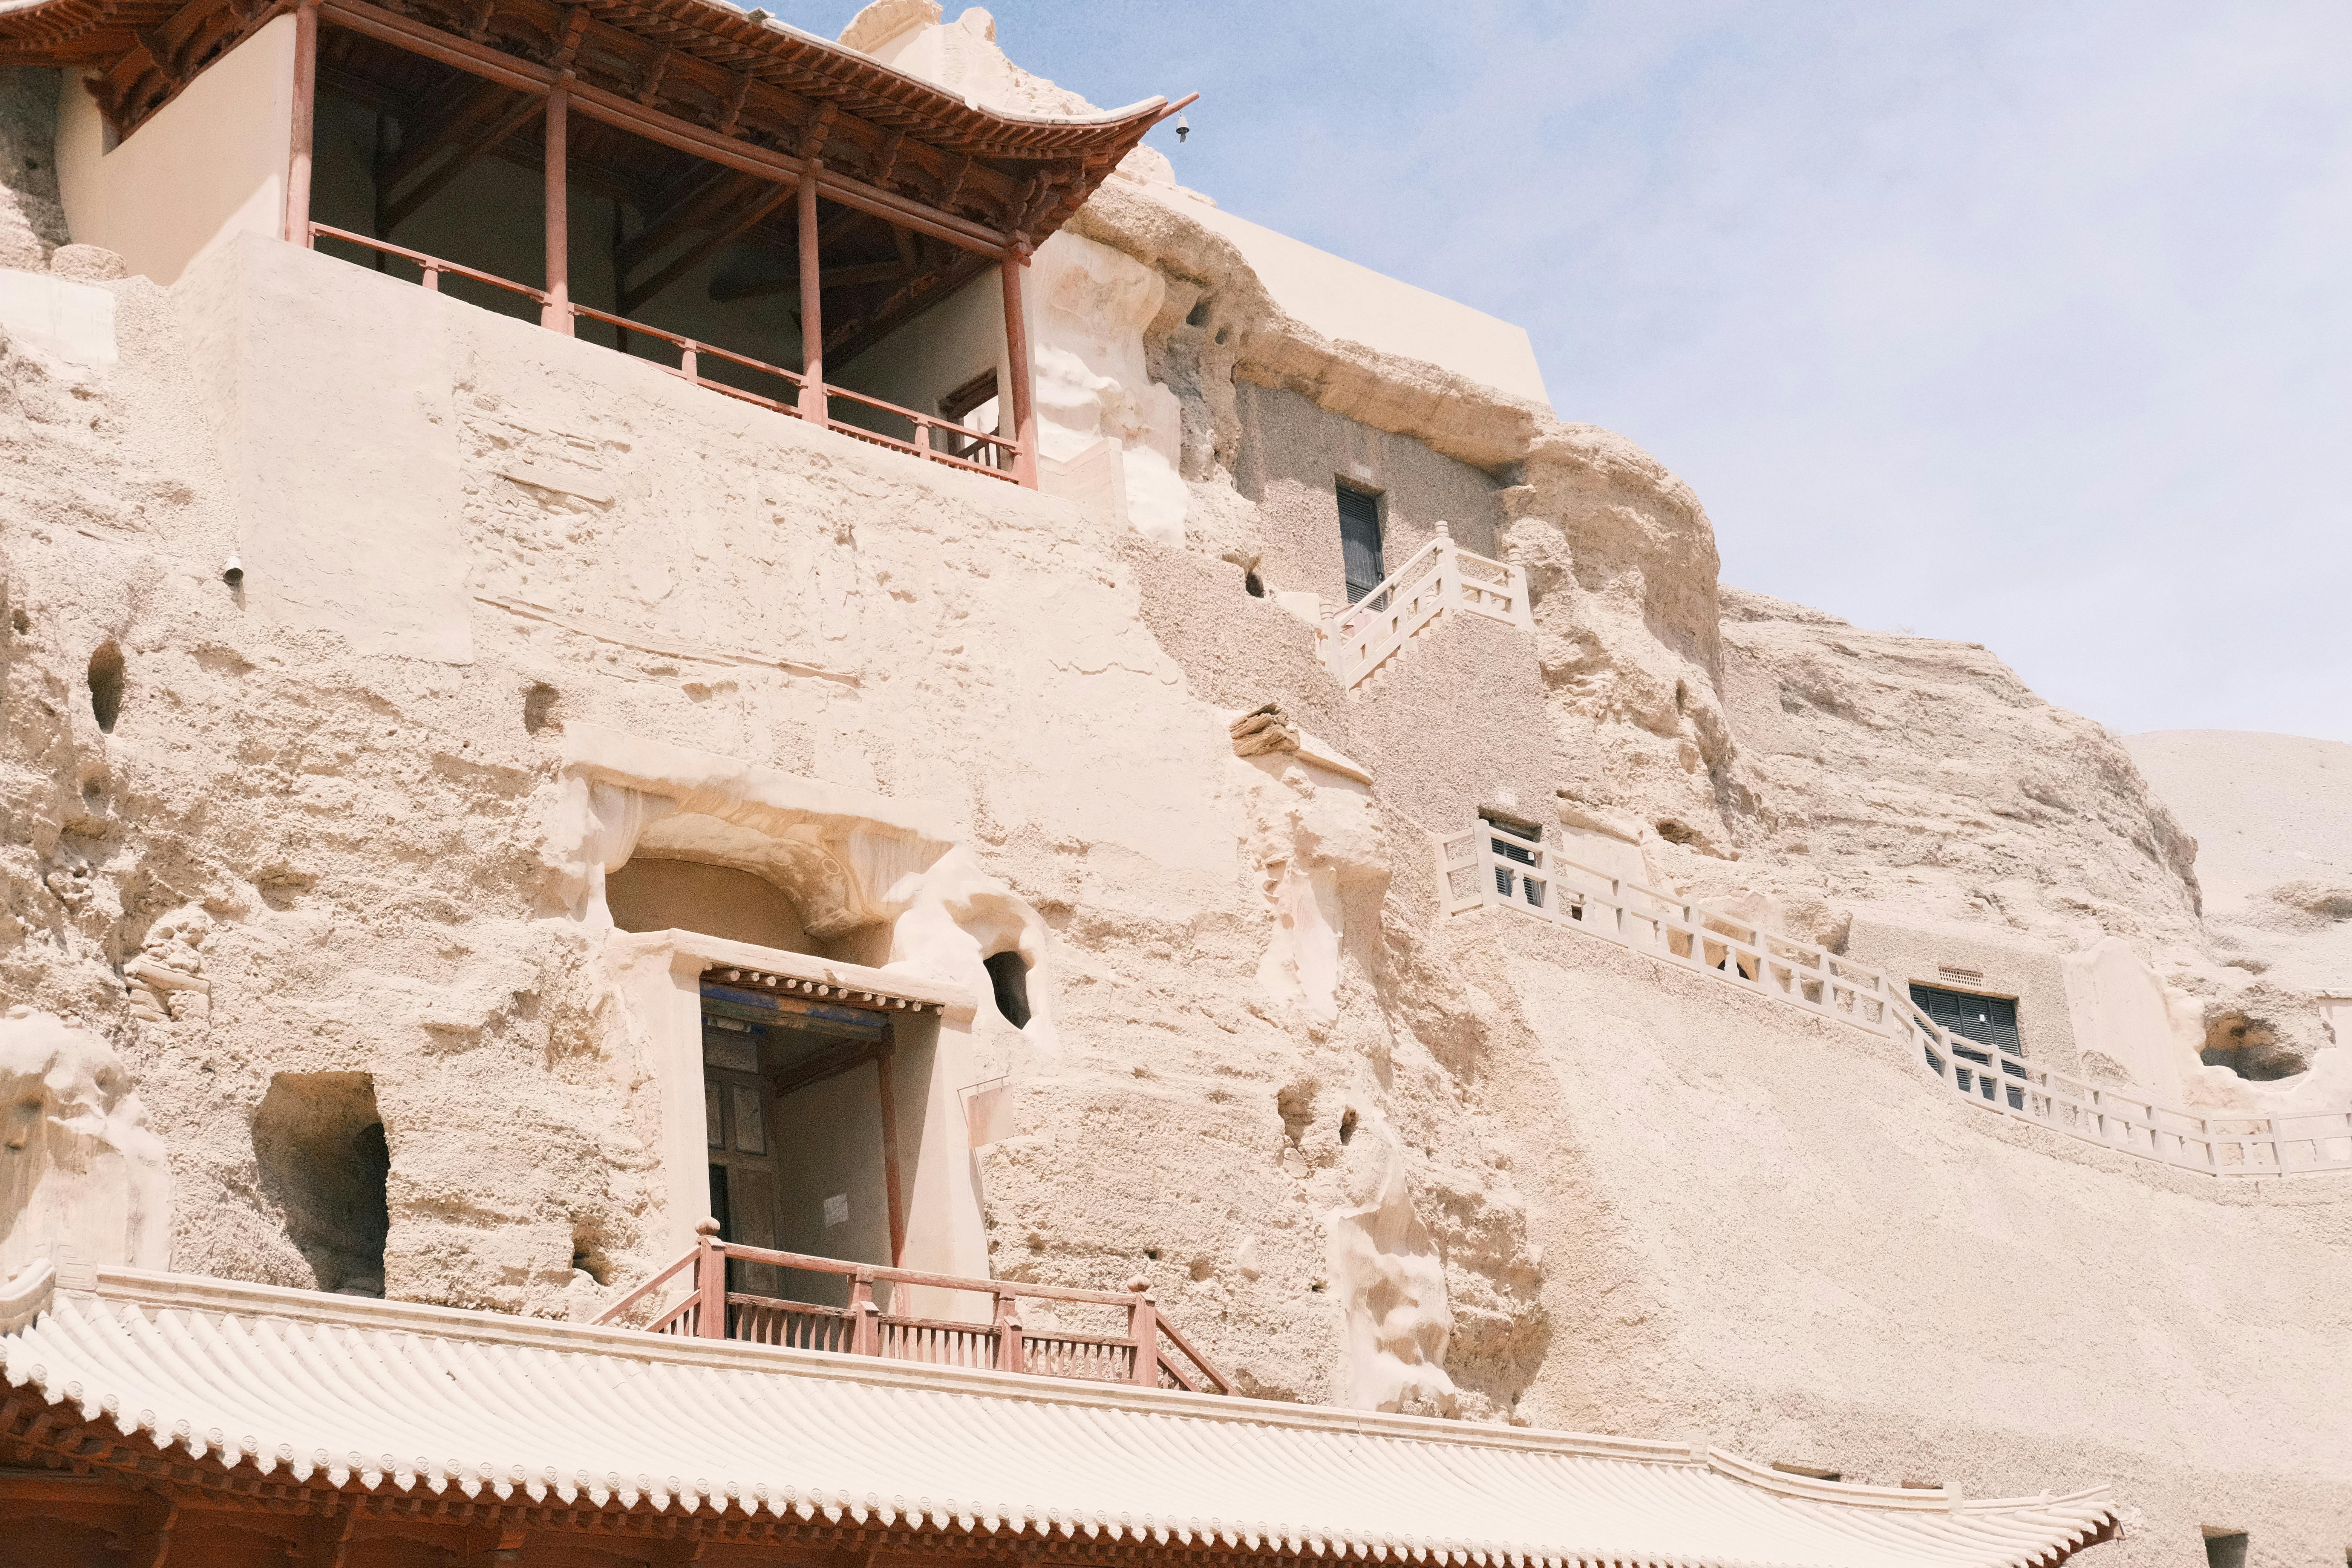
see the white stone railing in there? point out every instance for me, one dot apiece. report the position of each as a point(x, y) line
point(1439, 576)
point(1488, 866)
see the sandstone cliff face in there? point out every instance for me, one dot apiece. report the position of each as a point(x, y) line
point(1905, 770)
point(309, 890)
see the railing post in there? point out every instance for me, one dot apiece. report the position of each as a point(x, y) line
point(709, 1281)
point(865, 1333)
point(1011, 1354)
point(1143, 1328)
point(432, 279)
point(686, 362)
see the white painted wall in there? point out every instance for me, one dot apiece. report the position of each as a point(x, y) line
point(208, 166)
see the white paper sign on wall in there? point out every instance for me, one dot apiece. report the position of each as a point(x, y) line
point(837, 1210)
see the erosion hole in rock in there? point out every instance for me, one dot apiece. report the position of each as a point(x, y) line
point(588, 1252)
point(1252, 586)
point(1008, 974)
point(1348, 1125)
point(2227, 1549)
point(2250, 1047)
point(324, 1161)
point(538, 708)
point(1198, 316)
point(106, 684)
point(1296, 1104)
point(1673, 832)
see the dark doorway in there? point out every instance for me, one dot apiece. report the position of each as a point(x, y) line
point(1360, 541)
point(1988, 1020)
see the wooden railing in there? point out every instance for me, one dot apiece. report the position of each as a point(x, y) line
point(1439, 576)
point(1150, 1353)
point(1490, 865)
point(924, 430)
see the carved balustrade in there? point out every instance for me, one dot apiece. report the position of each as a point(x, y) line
point(1150, 1353)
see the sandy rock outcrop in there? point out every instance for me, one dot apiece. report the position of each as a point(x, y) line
point(78, 1167)
point(1906, 770)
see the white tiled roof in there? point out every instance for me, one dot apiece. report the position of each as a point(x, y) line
point(391, 1397)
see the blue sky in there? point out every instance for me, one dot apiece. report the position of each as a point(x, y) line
point(2028, 326)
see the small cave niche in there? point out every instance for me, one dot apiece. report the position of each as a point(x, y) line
point(651, 893)
point(589, 1255)
point(106, 683)
point(1253, 584)
point(2248, 1048)
point(1348, 1125)
point(1675, 832)
point(538, 708)
point(324, 1161)
point(1008, 975)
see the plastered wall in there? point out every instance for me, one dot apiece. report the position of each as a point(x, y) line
point(207, 165)
point(1293, 454)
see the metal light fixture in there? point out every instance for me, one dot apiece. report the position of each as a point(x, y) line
point(1183, 128)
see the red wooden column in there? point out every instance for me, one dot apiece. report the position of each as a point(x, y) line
point(1023, 390)
point(892, 1193)
point(813, 406)
point(306, 104)
point(555, 314)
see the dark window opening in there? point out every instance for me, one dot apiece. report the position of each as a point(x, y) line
point(325, 1163)
point(106, 685)
point(1009, 974)
point(1360, 541)
point(975, 407)
point(1990, 1021)
point(2228, 1550)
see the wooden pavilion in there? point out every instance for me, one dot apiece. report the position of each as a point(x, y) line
point(878, 195)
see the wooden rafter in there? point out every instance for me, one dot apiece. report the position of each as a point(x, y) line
point(677, 218)
point(465, 153)
point(830, 277)
point(635, 295)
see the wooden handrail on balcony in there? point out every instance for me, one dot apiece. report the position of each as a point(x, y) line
point(1152, 1354)
point(692, 353)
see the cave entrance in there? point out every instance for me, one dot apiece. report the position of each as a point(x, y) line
point(325, 1162)
point(800, 1114)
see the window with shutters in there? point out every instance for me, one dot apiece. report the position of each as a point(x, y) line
point(1360, 541)
point(1990, 1021)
